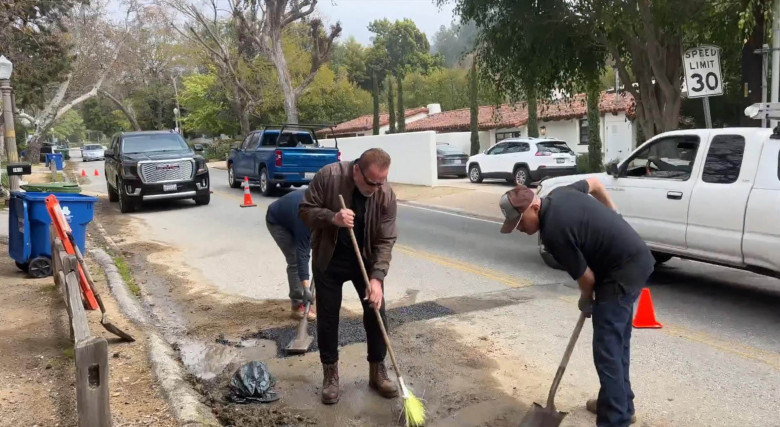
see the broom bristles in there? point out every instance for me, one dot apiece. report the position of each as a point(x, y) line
point(414, 411)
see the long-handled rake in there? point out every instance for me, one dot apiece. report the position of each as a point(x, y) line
point(414, 411)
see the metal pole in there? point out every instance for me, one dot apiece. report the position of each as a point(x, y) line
point(776, 55)
point(178, 110)
point(707, 117)
point(10, 131)
point(764, 70)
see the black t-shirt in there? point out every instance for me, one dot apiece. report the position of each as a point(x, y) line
point(345, 252)
point(580, 232)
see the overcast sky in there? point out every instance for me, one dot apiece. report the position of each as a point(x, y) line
point(355, 15)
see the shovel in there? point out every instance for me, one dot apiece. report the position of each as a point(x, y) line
point(302, 340)
point(549, 417)
point(110, 327)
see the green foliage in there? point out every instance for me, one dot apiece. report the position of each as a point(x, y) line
point(391, 105)
point(455, 42)
point(474, 107)
point(207, 107)
point(594, 137)
point(352, 58)
point(333, 98)
point(99, 114)
point(69, 127)
point(154, 104)
point(127, 276)
point(401, 116)
point(220, 149)
point(448, 87)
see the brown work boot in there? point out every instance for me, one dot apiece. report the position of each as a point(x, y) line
point(330, 383)
point(592, 404)
point(379, 381)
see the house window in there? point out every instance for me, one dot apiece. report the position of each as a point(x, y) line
point(500, 136)
point(584, 139)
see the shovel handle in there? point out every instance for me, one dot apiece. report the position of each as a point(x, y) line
point(565, 361)
point(85, 270)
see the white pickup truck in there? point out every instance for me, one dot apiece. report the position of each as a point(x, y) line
point(710, 195)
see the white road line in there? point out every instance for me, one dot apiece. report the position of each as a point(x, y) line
point(450, 213)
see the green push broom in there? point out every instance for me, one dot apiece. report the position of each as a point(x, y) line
point(414, 411)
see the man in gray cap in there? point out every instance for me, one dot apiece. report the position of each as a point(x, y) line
point(611, 263)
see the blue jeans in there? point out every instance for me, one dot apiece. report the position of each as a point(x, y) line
point(611, 355)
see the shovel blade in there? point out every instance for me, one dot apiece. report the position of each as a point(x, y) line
point(299, 345)
point(542, 417)
point(114, 330)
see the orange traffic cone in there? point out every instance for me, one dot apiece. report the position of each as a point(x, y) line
point(83, 172)
point(247, 195)
point(645, 313)
point(96, 173)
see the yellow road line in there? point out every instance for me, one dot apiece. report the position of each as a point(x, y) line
point(741, 350)
point(506, 279)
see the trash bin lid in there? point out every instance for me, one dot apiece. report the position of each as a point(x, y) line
point(53, 187)
point(35, 196)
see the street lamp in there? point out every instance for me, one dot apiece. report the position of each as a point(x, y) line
point(6, 69)
point(176, 116)
point(543, 130)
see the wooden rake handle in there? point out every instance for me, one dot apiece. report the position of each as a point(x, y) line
point(368, 292)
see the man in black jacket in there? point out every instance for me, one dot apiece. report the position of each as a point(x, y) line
point(610, 262)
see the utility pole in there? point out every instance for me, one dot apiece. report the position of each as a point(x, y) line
point(6, 69)
point(177, 110)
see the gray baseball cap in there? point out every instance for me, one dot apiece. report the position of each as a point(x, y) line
point(513, 203)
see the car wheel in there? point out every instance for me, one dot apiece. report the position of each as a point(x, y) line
point(126, 205)
point(522, 175)
point(661, 258)
point(39, 267)
point(113, 196)
point(232, 177)
point(266, 187)
point(475, 174)
point(203, 200)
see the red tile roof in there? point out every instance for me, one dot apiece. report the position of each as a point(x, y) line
point(366, 123)
point(508, 116)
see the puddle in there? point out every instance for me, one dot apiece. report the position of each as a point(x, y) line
point(207, 361)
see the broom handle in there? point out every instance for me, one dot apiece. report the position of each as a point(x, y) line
point(368, 292)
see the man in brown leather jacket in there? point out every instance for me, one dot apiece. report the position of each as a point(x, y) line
point(371, 211)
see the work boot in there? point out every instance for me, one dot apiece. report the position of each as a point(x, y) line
point(592, 404)
point(379, 381)
point(312, 313)
point(330, 383)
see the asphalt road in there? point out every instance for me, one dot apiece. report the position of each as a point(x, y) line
point(717, 355)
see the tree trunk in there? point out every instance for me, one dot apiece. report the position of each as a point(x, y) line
point(126, 111)
point(390, 105)
point(375, 96)
point(285, 80)
point(594, 136)
point(239, 108)
point(533, 126)
point(401, 110)
point(474, 109)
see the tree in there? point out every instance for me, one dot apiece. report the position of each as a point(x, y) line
point(332, 98)
point(454, 43)
point(449, 87)
point(99, 114)
point(593, 96)
point(262, 23)
point(69, 127)
point(473, 78)
point(375, 98)
point(206, 102)
point(390, 107)
point(352, 58)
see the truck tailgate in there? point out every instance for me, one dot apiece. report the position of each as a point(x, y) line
point(308, 159)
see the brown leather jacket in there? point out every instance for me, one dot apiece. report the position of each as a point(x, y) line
point(321, 203)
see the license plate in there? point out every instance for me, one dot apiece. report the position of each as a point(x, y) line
point(308, 175)
point(169, 187)
point(560, 160)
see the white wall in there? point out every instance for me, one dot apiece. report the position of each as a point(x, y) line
point(413, 154)
point(566, 130)
point(462, 140)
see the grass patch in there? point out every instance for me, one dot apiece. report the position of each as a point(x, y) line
point(127, 276)
point(69, 352)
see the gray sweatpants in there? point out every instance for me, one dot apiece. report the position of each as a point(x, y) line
point(284, 240)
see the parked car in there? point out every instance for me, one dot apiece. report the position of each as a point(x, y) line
point(154, 165)
point(91, 152)
point(450, 161)
point(284, 156)
point(523, 161)
point(710, 195)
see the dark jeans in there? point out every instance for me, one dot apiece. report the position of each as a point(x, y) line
point(284, 239)
point(328, 296)
point(611, 355)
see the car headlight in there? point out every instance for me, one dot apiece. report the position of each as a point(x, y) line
point(130, 171)
point(202, 167)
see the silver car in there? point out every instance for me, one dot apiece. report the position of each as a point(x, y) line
point(92, 152)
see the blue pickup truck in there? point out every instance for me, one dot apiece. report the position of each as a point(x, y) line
point(279, 156)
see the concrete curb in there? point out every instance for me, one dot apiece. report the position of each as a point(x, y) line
point(184, 401)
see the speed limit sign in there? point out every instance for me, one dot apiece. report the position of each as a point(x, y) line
point(702, 71)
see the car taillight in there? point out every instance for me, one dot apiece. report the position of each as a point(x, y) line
point(543, 153)
point(338, 157)
point(278, 157)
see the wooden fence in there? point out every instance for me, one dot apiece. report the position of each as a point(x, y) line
point(91, 352)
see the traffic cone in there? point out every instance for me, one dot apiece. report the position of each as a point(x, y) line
point(83, 172)
point(247, 195)
point(96, 173)
point(645, 313)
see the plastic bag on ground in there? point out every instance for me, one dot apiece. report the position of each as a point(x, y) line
point(252, 383)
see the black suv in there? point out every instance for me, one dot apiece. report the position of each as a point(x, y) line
point(154, 165)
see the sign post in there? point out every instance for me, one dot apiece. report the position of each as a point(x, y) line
point(702, 75)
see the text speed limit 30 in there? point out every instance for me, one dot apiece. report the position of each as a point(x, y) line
point(702, 71)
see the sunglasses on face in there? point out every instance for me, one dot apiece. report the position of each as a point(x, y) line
point(368, 181)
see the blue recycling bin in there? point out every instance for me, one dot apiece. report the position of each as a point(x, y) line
point(56, 157)
point(28, 227)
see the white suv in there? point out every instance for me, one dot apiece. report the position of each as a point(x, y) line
point(523, 161)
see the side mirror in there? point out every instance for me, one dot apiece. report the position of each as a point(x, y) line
point(612, 169)
point(108, 153)
point(198, 147)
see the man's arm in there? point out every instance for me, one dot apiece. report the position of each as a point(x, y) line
point(597, 189)
point(313, 208)
point(587, 281)
point(383, 246)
